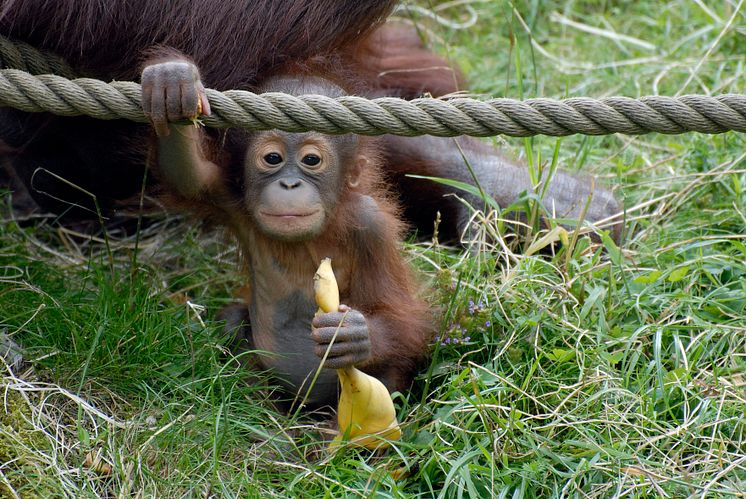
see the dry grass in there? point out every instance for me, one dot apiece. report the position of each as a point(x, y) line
point(585, 370)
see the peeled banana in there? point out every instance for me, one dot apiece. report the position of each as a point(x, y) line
point(365, 414)
point(325, 289)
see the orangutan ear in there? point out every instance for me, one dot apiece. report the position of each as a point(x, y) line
point(356, 171)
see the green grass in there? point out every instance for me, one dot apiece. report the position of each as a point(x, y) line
point(590, 370)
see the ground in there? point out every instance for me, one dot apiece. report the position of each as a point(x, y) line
point(586, 370)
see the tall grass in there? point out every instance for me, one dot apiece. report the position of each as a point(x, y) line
point(589, 369)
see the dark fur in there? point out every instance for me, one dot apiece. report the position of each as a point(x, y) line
point(233, 42)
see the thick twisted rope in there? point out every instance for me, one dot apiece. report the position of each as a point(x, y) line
point(350, 114)
point(18, 55)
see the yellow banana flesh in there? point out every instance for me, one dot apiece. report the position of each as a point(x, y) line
point(365, 414)
point(325, 287)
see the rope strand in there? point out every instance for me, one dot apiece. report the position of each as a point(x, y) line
point(446, 117)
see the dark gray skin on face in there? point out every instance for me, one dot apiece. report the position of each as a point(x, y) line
point(293, 181)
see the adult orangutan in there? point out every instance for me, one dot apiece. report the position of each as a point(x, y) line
point(239, 44)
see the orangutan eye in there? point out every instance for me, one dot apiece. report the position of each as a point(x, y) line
point(311, 160)
point(272, 158)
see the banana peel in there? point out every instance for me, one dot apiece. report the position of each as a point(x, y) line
point(365, 415)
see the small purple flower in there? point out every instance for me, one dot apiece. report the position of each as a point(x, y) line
point(472, 307)
point(488, 324)
point(475, 308)
point(468, 338)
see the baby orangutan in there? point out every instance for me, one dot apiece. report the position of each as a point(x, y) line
point(293, 199)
